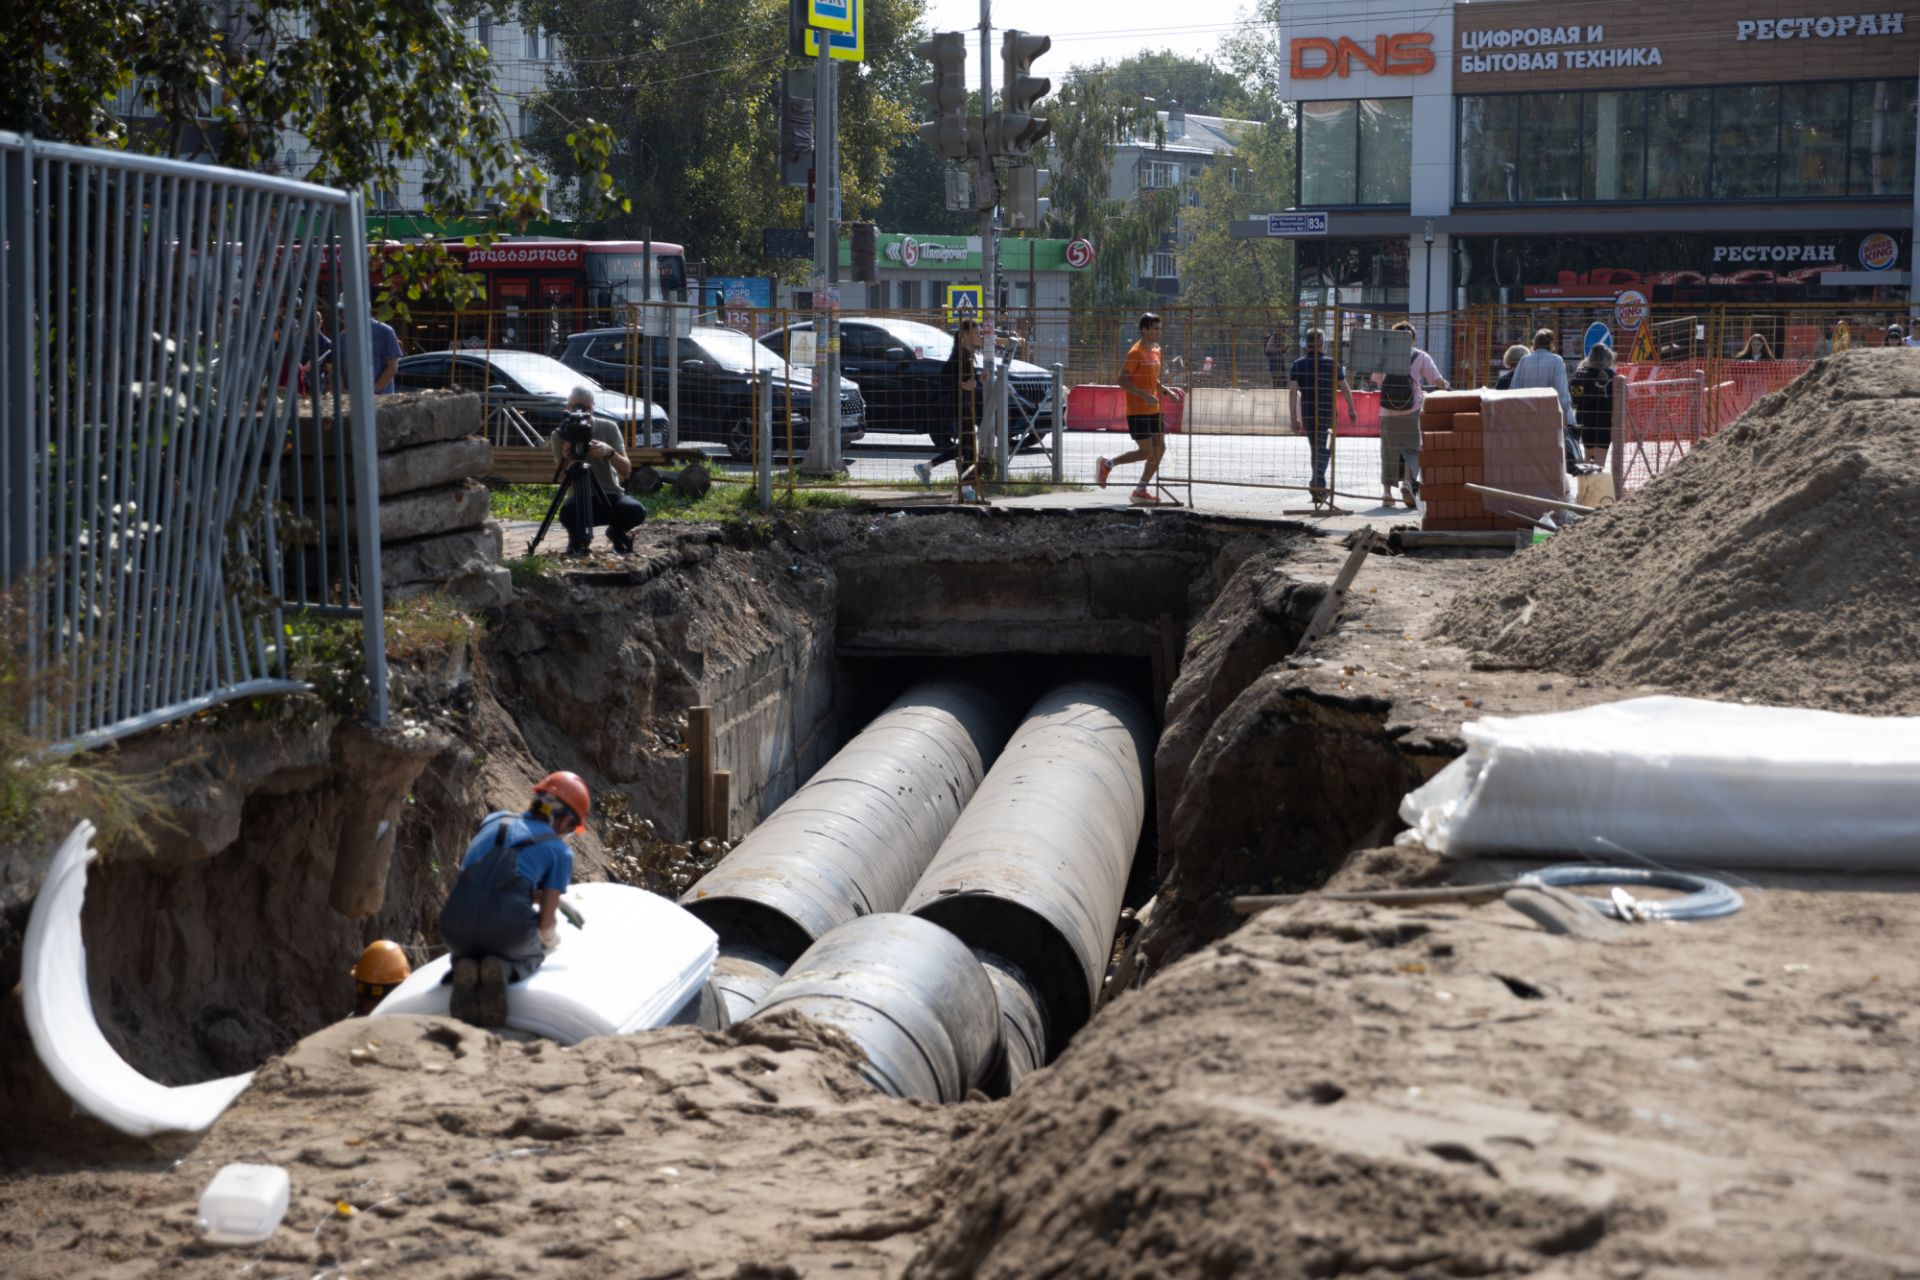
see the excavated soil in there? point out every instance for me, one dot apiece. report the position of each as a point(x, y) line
point(1774, 563)
point(1330, 1090)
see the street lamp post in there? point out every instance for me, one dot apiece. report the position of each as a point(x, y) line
point(1426, 288)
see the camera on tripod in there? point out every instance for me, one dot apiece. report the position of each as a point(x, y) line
point(576, 433)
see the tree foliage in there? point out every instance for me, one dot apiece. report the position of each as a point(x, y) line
point(1090, 117)
point(349, 93)
point(690, 90)
point(1168, 77)
point(1217, 270)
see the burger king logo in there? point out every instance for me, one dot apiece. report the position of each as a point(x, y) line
point(1879, 251)
point(1630, 310)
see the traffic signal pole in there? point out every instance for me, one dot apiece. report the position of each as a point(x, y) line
point(989, 266)
point(823, 436)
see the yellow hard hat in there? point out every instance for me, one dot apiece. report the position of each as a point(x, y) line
point(382, 964)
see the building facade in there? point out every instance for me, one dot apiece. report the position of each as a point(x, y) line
point(1523, 150)
point(1191, 144)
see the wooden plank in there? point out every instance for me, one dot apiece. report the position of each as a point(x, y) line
point(519, 464)
point(1507, 539)
point(699, 772)
point(1329, 609)
point(719, 817)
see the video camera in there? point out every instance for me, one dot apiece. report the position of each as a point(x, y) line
point(576, 432)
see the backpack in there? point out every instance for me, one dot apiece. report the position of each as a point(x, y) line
point(1396, 391)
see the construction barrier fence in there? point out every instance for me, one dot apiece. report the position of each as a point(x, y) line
point(1234, 418)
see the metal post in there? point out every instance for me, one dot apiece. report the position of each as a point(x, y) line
point(831, 401)
point(993, 415)
point(673, 380)
point(366, 461)
point(1059, 423)
point(819, 450)
point(763, 453)
point(18, 480)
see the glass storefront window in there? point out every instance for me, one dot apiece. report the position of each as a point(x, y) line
point(1746, 141)
point(1386, 150)
point(1615, 127)
point(1678, 123)
point(1882, 150)
point(1813, 140)
point(1329, 158)
point(1356, 152)
point(1489, 139)
point(1549, 158)
point(1739, 142)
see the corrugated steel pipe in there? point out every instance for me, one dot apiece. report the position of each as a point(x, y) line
point(856, 836)
point(910, 995)
point(1035, 869)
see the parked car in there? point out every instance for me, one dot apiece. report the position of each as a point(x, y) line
point(716, 369)
point(897, 364)
point(521, 387)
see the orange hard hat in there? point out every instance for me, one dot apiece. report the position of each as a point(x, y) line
point(569, 789)
point(382, 964)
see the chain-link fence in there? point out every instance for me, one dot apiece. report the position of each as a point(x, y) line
point(1248, 407)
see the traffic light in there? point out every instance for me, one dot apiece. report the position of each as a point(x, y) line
point(1016, 129)
point(866, 260)
point(947, 132)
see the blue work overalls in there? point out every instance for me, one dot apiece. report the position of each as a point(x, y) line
point(490, 911)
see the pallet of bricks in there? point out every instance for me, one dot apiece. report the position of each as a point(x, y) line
point(1503, 439)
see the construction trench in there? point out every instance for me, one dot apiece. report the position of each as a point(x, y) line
point(944, 1062)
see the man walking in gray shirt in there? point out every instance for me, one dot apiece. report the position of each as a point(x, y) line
point(1543, 367)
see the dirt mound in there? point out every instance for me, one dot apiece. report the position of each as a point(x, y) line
point(1342, 1090)
point(1774, 563)
point(459, 1153)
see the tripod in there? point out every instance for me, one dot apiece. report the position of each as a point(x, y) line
point(575, 478)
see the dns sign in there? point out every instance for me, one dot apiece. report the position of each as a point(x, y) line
point(1316, 57)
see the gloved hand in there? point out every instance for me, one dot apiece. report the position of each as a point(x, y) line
point(550, 940)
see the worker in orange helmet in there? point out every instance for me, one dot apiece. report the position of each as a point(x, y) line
point(380, 968)
point(499, 921)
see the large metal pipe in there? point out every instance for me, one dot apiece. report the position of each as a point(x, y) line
point(1023, 1023)
point(743, 975)
point(910, 995)
point(853, 840)
point(1035, 869)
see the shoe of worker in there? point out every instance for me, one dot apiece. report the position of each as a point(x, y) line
point(1142, 498)
point(578, 548)
point(489, 1000)
point(622, 542)
point(466, 975)
point(1407, 495)
point(1101, 470)
point(924, 471)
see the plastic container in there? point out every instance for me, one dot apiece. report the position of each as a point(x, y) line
point(243, 1204)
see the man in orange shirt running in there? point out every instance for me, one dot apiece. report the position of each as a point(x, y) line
point(1140, 381)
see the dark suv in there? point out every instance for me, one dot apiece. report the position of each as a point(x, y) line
point(716, 368)
point(897, 364)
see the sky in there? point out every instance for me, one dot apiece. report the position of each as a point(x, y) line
point(1087, 31)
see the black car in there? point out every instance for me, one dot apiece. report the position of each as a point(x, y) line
point(526, 394)
point(716, 368)
point(897, 364)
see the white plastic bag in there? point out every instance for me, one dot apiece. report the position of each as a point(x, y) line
point(1683, 780)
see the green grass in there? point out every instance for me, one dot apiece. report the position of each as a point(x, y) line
point(721, 503)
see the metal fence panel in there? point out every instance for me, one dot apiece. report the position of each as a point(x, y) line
point(177, 477)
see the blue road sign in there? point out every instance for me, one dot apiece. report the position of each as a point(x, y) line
point(1296, 224)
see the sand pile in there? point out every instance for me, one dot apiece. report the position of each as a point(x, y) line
point(1775, 563)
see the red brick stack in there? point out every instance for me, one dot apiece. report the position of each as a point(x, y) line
point(1453, 453)
point(1506, 439)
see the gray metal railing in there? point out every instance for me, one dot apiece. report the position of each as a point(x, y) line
point(176, 482)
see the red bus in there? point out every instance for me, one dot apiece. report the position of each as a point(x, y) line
point(538, 291)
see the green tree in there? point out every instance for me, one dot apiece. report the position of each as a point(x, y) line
point(690, 90)
point(915, 198)
point(1090, 118)
point(1195, 83)
point(1217, 270)
point(370, 87)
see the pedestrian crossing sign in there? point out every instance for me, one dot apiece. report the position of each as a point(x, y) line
point(844, 43)
point(963, 302)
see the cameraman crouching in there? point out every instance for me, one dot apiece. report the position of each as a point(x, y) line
point(597, 442)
